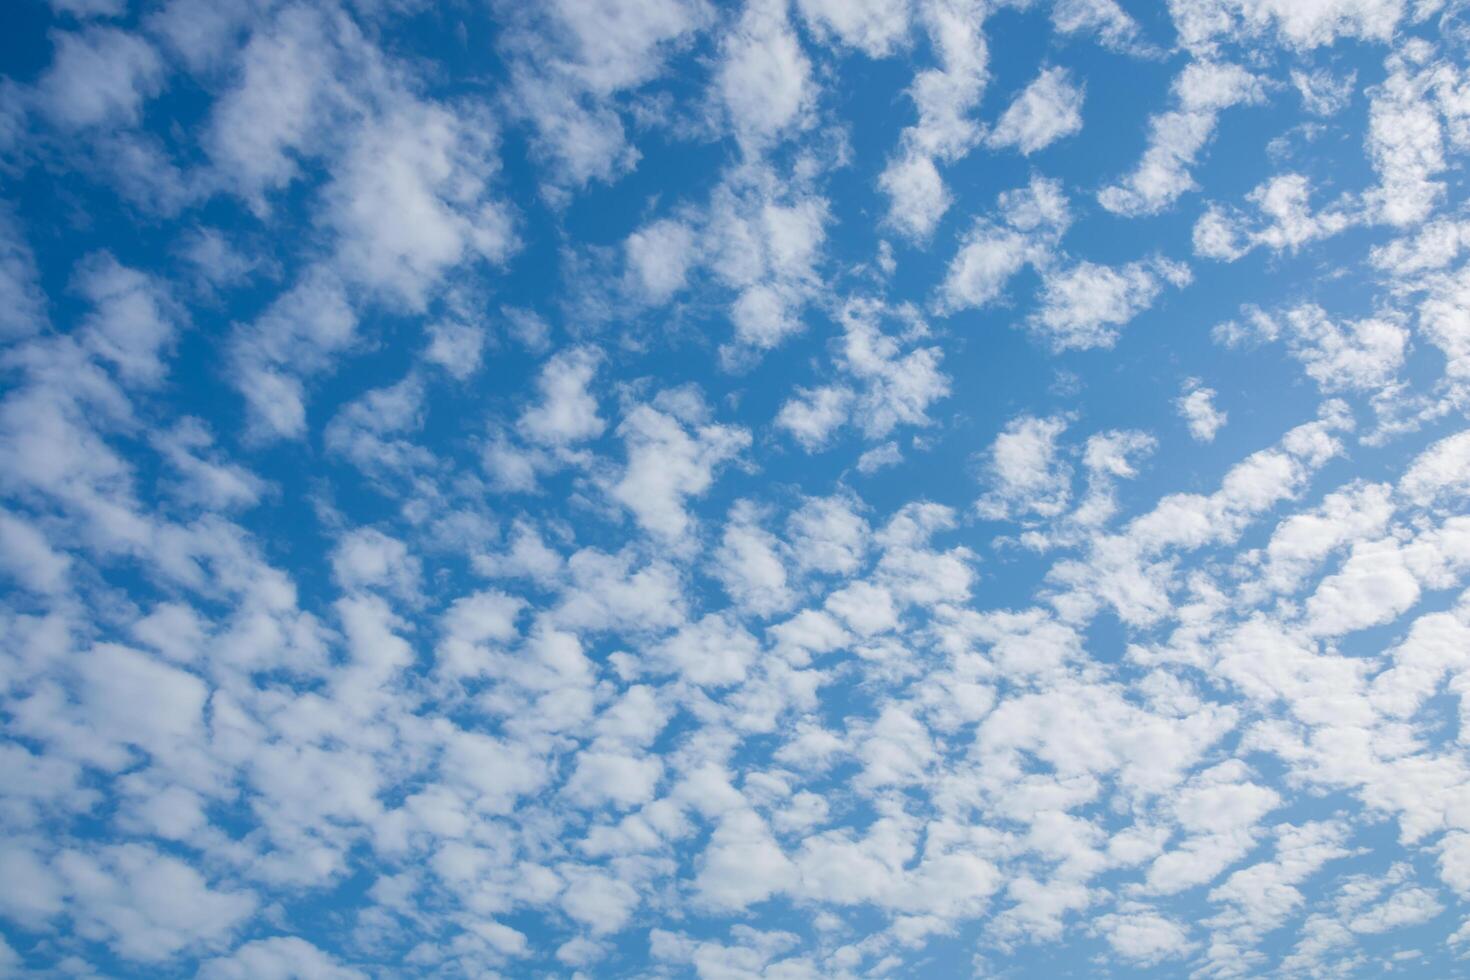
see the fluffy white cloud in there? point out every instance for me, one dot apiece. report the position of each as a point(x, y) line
point(147, 906)
point(750, 565)
point(282, 93)
point(1142, 935)
point(875, 27)
point(1322, 93)
point(1023, 474)
point(616, 778)
point(567, 412)
point(1358, 355)
point(411, 200)
point(827, 535)
point(1288, 224)
point(298, 334)
point(100, 76)
point(1029, 222)
point(1104, 18)
point(763, 80)
point(668, 463)
point(1300, 25)
point(134, 320)
point(277, 958)
point(1048, 109)
point(944, 132)
point(1176, 138)
point(1197, 408)
point(813, 414)
point(659, 256)
point(456, 347)
point(507, 604)
point(1405, 141)
point(22, 304)
point(572, 60)
point(1084, 305)
point(368, 558)
point(28, 557)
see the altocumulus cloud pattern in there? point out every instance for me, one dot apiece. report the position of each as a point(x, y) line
point(792, 488)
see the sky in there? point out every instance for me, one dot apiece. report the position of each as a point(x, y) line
point(783, 488)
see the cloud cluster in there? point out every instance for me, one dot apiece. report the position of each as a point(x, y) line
point(783, 489)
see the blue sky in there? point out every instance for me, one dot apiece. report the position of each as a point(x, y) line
point(658, 488)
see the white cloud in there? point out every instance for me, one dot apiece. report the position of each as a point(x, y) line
point(896, 388)
point(1101, 17)
point(749, 564)
point(1323, 93)
point(761, 237)
point(1405, 142)
point(1023, 474)
point(1142, 935)
point(497, 772)
point(763, 79)
point(368, 558)
point(1048, 109)
point(273, 112)
point(1176, 137)
point(608, 593)
point(659, 257)
point(1031, 221)
point(1197, 407)
point(827, 535)
point(470, 625)
point(29, 558)
point(875, 27)
point(218, 261)
point(1289, 221)
point(611, 777)
point(22, 303)
point(1357, 355)
point(147, 906)
point(1083, 306)
point(743, 864)
point(917, 195)
point(944, 132)
point(571, 60)
point(614, 46)
point(890, 386)
point(1439, 472)
point(1301, 25)
point(372, 431)
point(1373, 586)
point(136, 700)
point(865, 608)
point(584, 142)
point(456, 347)
point(277, 958)
point(299, 334)
point(411, 200)
point(667, 464)
point(880, 457)
point(713, 651)
point(100, 76)
point(1219, 811)
point(602, 903)
point(134, 320)
point(203, 478)
point(567, 412)
point(813, 414)
point(1405, 907)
